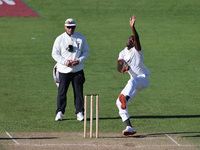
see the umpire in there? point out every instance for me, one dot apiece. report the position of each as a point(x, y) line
point(70, 50)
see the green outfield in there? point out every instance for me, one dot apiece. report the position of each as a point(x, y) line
point(169, 34)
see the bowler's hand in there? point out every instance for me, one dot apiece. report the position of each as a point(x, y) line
point(125, 69)
point(132, 20)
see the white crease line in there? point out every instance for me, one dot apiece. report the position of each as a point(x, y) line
point(58, 145)
point(12, 138)
point(172, 139)
point(166, 145)
point(40, 145)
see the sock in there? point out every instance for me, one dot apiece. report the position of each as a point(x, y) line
point(128, 123)
point(127, 97)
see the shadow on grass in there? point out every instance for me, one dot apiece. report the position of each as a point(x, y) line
point(156, 117)
point(155, 135)
point(143, 117)
point(193, 136)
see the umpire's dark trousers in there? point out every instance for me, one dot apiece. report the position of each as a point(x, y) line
point(77, 79)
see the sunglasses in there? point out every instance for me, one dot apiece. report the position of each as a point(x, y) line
point(69, 27)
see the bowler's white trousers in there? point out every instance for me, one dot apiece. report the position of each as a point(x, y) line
point(132, 88)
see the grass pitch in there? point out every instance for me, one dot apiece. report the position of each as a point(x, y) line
point(169, 33)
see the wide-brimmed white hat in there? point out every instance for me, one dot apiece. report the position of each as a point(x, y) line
point(70, 22)
point(56, 75)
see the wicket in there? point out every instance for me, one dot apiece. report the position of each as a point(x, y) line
point(91, 115)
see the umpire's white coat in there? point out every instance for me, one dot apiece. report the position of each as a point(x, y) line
point(61, 54)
